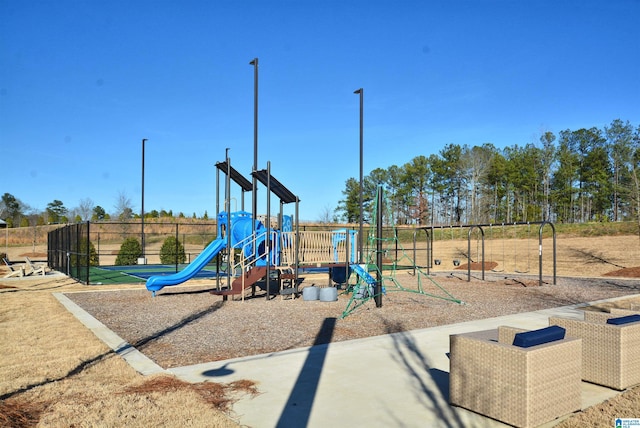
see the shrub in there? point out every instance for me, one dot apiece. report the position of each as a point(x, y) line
point(172, 251)
point(94, 259)
point(130, 251)
point(80, 258)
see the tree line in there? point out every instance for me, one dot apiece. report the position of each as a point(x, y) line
point(576, 176)
point(16, 213)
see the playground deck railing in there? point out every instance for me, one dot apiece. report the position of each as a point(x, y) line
point(316, 247)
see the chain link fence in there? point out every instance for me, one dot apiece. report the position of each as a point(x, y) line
point(77, 248)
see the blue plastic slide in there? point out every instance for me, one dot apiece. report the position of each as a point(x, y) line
point(368, 290)
point(362, 273)
point(158, 282)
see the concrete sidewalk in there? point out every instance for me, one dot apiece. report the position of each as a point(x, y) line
point(399, 380)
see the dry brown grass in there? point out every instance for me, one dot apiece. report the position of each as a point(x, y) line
point(218, 395)
point(19, 413)
point(55, 372)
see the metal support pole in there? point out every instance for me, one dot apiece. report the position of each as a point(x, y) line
point(217, 194)
point(268, 240)
point(361, 229)
point(142, 207)
point(415, 236)
point(378, 295)
point(469, 251)
point(254, 195)
point(280, 227)
point(553, 230)
point(227, 208)
point(217, 225)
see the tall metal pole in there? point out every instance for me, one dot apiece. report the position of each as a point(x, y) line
point(268, 240)
point(378, 291)
point(227, 208)
point(254, 196)
point(361, 230)
point(218, 223)
point(144, 140)
point(217, 195)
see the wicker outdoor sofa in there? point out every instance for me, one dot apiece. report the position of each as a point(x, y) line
point(524, 387)
point(610, 353)
point(622, 312)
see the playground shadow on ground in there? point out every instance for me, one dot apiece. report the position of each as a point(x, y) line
point(431, 384)
point(298, 406)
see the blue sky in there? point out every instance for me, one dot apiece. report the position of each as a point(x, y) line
point(82, 82)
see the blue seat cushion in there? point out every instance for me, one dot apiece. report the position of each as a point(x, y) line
point(623, 320)
point(527, 339)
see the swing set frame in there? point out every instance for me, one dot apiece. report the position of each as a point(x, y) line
point(430, 231)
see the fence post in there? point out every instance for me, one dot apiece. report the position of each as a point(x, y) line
point(88, 253)
point(177, 243)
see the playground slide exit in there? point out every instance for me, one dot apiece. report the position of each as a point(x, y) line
point(158, 282)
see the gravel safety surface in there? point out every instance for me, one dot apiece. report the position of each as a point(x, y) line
point(186, 325)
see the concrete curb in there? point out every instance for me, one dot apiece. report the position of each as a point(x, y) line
point(136, 359)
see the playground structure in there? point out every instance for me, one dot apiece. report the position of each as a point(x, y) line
point(253, 251)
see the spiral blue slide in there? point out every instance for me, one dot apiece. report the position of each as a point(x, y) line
point(158, 282)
